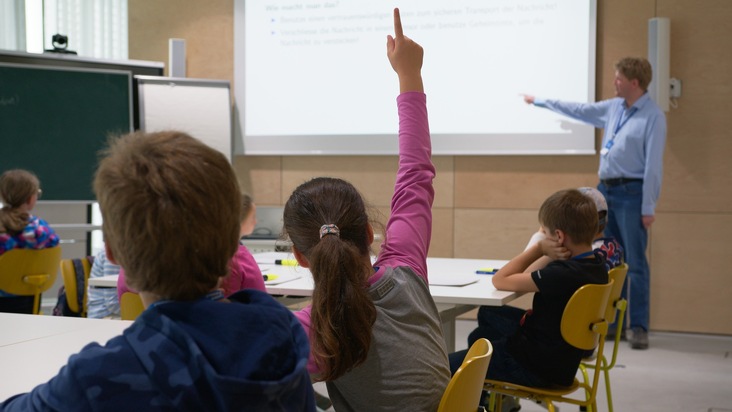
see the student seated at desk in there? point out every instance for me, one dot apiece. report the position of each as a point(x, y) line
point(375, 331)
point(192, 349)
point(19, 192)
point(102, 302)
point(609, 247)
point(528, 348)
point(244, 272)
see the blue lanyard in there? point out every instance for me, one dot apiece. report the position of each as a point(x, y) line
point(583, 255)
point(619, 125)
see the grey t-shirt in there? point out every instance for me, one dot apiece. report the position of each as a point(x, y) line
point(407, 367)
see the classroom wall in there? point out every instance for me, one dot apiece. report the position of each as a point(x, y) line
point(486, 206)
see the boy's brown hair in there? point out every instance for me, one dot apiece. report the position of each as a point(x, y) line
point(636, 68)
point(170, 207)
point(571, 212)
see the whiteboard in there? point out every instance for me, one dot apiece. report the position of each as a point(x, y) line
point(199, 107)
point(312, 78)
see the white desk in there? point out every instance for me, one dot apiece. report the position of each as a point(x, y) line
point(452, 301)
point(481, 292)
point(104, 281)
point(34, 347)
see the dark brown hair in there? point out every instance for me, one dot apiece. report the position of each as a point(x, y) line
point(17, 186)
point(170, 207)
point(342, 311)
point(571, 212)
point(636, 68)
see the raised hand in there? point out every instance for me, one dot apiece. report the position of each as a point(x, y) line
point(405, 57)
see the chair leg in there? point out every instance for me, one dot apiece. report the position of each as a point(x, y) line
point(608, 391)
point(36, 303)
point(498, 403)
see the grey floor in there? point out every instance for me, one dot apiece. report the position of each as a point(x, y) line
point(678, 373)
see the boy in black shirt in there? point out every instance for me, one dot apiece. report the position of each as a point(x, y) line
point(528, 348)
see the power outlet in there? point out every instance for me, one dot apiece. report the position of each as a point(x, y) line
point(675, 85)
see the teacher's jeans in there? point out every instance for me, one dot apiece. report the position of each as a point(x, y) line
point(625, 224)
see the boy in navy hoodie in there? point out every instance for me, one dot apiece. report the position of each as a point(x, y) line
point(167, 202)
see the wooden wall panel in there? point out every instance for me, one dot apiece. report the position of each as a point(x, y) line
point(690, 279)
point(518, 181)
point(493, 233)
point(260, 176)
point(206, 26)
point(698, 148)
point(443, 232)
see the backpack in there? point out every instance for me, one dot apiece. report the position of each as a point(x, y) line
point(62, 307)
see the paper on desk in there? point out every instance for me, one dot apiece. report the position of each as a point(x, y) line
point(451, 280)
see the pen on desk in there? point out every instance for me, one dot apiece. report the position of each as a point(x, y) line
point(286, 262)
point(269, 277)
point(487, 271)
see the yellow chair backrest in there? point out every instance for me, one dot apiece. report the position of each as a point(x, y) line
point(463, 392)
point(615, 309)
point(68, 272)
point(583, 324)
point(581, 310)
point(618, 275)
point(29, 272)
point(130, 306)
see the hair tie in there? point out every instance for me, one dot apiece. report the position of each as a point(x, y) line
point(329, 229)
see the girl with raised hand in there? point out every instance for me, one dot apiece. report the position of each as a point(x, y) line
point(375, 333)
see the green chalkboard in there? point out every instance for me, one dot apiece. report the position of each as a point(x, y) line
point(54, 121)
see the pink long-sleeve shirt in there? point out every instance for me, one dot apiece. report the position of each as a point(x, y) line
point(409, 228)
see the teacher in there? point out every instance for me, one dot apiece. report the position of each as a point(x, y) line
point(631, 170)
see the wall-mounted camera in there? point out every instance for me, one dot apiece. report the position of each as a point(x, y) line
point(60, 42)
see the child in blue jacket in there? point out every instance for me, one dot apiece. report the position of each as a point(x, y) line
point(166, 201)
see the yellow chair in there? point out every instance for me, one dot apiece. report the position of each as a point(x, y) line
point(463, 392)
point(616, 306)
point(130, 306)
point(68, 272)
point(29, 272)
point(583, 326)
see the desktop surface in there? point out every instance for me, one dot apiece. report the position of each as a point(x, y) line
point(33, 348)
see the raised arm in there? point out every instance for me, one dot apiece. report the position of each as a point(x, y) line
point(409, 229)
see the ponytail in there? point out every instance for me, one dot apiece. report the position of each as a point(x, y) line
point(326, 220)
point(13, 221)
point(17, 186)
point(342, 310)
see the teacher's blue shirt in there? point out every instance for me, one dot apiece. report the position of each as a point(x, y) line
point(639, 134)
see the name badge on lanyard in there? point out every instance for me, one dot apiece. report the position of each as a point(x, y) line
point(619, 125)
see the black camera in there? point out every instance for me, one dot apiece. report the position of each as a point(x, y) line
point(60, 43)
